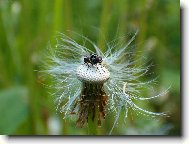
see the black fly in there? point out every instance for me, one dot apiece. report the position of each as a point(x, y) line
point(93, 59)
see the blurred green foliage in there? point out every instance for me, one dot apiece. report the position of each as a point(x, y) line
point(26, 26)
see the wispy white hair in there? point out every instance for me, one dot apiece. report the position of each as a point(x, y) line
point(123, 88)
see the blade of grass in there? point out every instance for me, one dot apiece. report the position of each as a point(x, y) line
point(105, 19)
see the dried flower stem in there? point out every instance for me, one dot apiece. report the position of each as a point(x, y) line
point(92, 105)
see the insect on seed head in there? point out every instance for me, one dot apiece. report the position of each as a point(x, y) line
point(92, 71)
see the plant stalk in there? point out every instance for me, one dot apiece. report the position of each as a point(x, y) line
point(93, 123)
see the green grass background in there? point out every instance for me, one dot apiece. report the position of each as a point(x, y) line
point(26, 26)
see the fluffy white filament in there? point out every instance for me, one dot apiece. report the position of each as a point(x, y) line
point(121, 76)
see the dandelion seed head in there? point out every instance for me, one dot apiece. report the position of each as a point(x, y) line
point(92, 73)
point(118, 75)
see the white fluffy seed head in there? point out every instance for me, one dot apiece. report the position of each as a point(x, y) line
point(92, 73)
point(65, 64)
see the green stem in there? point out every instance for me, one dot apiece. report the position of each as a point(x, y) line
point(93, 124)
point(104, 22)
